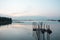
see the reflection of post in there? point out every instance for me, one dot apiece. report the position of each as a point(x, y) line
point(48, 32)
point(44, 32)
point(48, 36)
point(35, 29)
point(38, 32)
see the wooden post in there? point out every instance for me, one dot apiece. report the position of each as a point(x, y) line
point(48, 32)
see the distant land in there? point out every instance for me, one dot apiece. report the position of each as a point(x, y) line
point(53, 20)
point(35, 18)
point(5, 21)
point(32, 18)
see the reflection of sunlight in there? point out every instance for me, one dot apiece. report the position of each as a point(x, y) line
point(3, 28)
point(7, 27)
point(10, 26)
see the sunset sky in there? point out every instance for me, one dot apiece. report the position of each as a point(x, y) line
point(30, 7)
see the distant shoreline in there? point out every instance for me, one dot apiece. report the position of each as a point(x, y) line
point(5, 21)
point(53, 20)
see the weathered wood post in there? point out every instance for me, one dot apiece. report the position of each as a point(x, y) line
point(48, 32)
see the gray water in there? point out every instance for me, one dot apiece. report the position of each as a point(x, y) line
point(24, 31)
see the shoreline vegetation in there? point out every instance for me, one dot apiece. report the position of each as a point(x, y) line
point(5, 21)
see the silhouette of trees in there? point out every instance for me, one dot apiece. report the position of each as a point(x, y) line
point(5, 20)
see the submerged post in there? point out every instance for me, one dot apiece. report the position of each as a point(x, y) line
point(38, 32)
point(40, 29)
point(43, 32)
point(48, 32)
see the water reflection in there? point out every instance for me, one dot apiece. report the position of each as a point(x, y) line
point(20, 31)
point(16, 31)
point(55, 27)
point(40, 29)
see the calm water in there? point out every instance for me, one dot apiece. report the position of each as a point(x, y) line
point(23, 31)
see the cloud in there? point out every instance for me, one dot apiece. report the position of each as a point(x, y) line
point(32, 11)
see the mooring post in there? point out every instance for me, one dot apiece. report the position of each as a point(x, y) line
point(48, 32)
point(38, 32)
point(44, 32)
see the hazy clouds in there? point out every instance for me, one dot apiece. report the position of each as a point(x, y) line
point(30, 7)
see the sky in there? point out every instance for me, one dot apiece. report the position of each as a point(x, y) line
point(47, 8)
